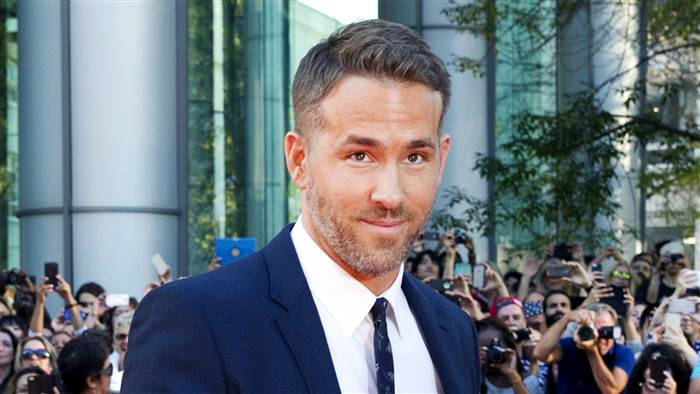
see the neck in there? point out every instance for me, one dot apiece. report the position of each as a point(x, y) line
point(376, 284)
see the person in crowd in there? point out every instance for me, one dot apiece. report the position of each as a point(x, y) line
point(35, 352)
point(642, 266)
point(17, 326)
point(8, 344)
point(555, 274)
point(19, 383)
point(119, 346)
point(502, 370)
point(84, 365)
point(426, 266)
point(512, 281)
point(59, 340)
point(63, 289)
point(468, 304)
point(91, 298)
point(510, 311)
point(533, 306)
point(676, 372)
point(556, 305)
point(620, 275)
point(589, 362)
point(664, 277)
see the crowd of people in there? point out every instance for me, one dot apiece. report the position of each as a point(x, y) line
point(573, 323)
point(79, 349)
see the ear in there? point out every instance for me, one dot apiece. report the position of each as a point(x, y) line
point(92, 382)
point(296, 151)
point(445, 141)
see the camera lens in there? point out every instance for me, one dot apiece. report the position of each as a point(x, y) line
point(585, 333)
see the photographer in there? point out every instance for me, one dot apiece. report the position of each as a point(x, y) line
point(591, 361)
point(664, 277)
point(63, 289)
point(501, 367)
point(448, 255)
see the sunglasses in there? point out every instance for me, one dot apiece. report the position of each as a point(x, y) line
point(120, 337)
point(40, 353)
point(621, 275)
point(107, 371)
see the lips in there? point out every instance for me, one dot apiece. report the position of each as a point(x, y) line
point(388, 227)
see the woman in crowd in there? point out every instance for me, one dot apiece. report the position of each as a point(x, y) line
point(19, 384)
point(85, 366)
point(426, 266)
point(59, 340)
point(8, 344)
point(500, 364)
point(677, 376)
point(36, 352)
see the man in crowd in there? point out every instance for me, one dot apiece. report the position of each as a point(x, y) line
point(556, 305)
point(592, 361)
point(326, 306)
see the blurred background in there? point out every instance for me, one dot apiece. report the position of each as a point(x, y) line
point(134, 128)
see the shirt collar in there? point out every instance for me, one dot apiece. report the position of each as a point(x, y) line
point(347, 300)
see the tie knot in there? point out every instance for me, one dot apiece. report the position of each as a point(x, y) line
point(378, 311)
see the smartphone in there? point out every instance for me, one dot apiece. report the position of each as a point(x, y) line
point(50, 271)
point(479, 277)
point(429, 236)
point(597, 267)
point(682, 306)
point(454, 298)
point(559, 271)
point(441, 285)
point(521, 334)
point(617, 301)
point(159, 263)
point(464, 269)
point(115, 300)
point(657, 365)
point(40, 384)
point(673, 320)
point(696, 285)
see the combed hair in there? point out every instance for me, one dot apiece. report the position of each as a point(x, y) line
point(374, 48)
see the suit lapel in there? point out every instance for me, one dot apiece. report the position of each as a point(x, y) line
point(439, 338)
point(297, 317)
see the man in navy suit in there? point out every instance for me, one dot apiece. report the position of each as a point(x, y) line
point(325, 307)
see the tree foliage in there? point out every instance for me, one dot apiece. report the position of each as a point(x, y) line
point(557, 171)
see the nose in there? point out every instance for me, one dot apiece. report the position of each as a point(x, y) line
point(388, 191)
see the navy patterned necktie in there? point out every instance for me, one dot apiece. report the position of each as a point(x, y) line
point(383, 358)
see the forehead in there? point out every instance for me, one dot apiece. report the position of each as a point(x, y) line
point(386, 108)
point(604, 318)
point(557, 299)
point(34, 344)
point(510, 310)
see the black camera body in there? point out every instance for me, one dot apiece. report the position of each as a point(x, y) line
point(461, 237)
point(521, 334)
point(495, 354)
point(586, 333)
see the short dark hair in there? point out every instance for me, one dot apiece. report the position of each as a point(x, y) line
point(14, 320)
point(373, 48)
point(433, 256)
point(553, 293)
point(81, 358)
point(90, 288)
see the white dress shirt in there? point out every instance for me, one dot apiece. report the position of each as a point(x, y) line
point(343, 304)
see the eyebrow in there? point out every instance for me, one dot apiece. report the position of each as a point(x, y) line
point(374, 143)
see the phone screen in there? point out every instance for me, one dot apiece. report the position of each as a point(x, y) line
point(464, 269)
point(50, 271)
point(479, 279)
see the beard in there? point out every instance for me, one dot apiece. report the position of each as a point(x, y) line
point(553, 318)
point(337, 228)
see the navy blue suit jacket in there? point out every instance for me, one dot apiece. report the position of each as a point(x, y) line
point(253, 327)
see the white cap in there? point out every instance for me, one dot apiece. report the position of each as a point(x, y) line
point(673, 247)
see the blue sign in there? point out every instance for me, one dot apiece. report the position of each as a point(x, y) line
point(232, 249)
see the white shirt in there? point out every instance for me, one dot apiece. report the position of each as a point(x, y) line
point(343, 303)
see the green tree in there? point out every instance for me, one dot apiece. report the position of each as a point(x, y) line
point(555, 174)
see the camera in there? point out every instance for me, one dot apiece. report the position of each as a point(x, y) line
point(495, 354)
point(564, 251)
point(461, 237)
point(586, 333)
point(521, 334)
